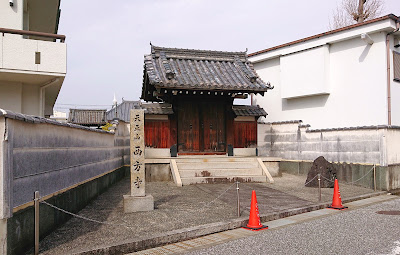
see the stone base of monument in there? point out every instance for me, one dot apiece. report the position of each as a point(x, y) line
point(138, 204)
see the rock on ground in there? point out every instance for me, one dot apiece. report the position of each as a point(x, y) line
point(326, 169)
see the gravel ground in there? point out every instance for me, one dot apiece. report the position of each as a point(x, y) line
point(360, 231)
point(176, 208)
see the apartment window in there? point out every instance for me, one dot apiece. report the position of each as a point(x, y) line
point(396, 64)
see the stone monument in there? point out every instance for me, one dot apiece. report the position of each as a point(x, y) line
point(137, 201)
point(324, 168)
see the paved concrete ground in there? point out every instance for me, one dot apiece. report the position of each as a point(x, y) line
point(176, 208)
point(353, 231)
point(217, 243)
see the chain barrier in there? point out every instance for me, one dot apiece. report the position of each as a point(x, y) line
point(287, 190)
point(298, 188)
point(220, 195)
point(353, 181)
point(310, 180)
point(85, 218)
point(212, 201)
point(123, 225)
point(197, 209)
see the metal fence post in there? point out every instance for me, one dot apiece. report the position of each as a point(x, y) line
point(374, 177)
point(238, 199)
point(319, 187)
point(36, 202)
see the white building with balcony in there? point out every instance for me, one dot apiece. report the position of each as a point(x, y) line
point(33, 58)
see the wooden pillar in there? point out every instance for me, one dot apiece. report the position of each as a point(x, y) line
point(230, 131)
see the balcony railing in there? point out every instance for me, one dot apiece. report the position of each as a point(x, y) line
point(22, 51)
point(33, 33)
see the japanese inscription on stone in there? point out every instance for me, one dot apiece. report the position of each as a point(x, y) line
point(137, 153)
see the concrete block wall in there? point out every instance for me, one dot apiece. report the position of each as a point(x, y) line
point(122, 140)
point(294, 141)
point(37, 154)
point(361, 147)
point(358, 174)
point(47, 158)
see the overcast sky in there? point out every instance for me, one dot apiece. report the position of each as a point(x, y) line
point(106, 40)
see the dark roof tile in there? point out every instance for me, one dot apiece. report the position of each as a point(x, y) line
point(123, 110)
point(87, 117)
point(170, 68)
point(39, 120)
point(249, 110)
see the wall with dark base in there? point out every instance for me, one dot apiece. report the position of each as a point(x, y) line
point(353, 151)
point(347, 173)
point(20, 227)
point(68, 164)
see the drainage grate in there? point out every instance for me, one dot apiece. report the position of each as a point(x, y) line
point(389, 212)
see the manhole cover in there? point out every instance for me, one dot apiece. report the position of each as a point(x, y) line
point(389, 212)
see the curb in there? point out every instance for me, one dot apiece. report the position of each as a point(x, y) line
point(207, 229)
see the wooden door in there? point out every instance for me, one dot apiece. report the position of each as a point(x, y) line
point(157, 133)
point(213, 127)
point(245, 134)
point(201, 127)
point(188, 127)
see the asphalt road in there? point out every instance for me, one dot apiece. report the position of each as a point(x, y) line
point(359, 231)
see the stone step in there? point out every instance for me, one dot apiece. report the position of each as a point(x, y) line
point(220, 172)
point(224, 179)
point(217, 165)
point(214, 159)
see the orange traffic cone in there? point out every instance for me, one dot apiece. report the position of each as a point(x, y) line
point(254, 218)
point(337, 200)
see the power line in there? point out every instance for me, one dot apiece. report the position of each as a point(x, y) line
point(85, 104)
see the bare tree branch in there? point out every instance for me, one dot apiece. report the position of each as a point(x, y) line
point(355, 11)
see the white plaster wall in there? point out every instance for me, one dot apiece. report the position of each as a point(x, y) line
point(244, 152)
point(11, 96)
point(11, 17)
point(157, 153)
point(30, 99)
point(2, 175)
point(305, 73)
point(393, 146)
point(395, 89)
point(269, 71)
point(395, 94)
point(357, 88)
point(1, 51)
point(20, 98)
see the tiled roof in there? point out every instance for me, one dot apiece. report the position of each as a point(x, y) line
point(184, 69)
point(390, 16)
point(123, 109)
point(158, 108)
point(87, 117)
point(39, 120)
point(249, 110)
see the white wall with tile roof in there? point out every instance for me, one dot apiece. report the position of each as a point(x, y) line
point(357, 83)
